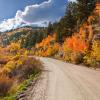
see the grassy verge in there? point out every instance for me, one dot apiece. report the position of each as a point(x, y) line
point(21, 87)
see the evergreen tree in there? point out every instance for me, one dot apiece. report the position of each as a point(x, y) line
point(84, 9)
point(59, 34)
point(69, 21)
point(50, 29)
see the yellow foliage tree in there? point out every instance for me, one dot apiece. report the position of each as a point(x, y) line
point(9, 67)
point(96, 50)
point(14, 48)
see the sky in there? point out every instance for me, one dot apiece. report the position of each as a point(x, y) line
point(16, 13)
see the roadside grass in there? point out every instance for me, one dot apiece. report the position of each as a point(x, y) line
point(21, 88)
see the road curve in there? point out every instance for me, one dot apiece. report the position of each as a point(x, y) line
point(64, 81)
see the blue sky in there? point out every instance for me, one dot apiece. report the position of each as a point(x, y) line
point(15, 13)
point(8, 8)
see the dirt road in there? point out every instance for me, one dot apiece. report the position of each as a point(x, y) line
point(63, 81)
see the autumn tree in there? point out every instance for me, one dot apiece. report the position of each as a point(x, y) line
point(76, 44)
point(14, 48)
point(96, 50)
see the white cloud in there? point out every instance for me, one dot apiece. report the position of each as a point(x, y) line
point(35, 13)
point(10, 24)
point(38, 14)
point(73, 0)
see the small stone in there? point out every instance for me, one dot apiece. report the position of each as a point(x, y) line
point(20, 96)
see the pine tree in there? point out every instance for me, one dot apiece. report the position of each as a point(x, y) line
point(59, 34)
point(50, 29)
point(84, 9)
point(69, 21)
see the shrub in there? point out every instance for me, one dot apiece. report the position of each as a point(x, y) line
point(5, 85)
point(77, 58)
point(16, 57)
point(51, 51)
point(67, 53)
point(3, 61)
point(96, 50)
point(28, 66)
point(91, 62)
point(92, 58)
point(14, 48)
point(9, 67)
point(22, 67)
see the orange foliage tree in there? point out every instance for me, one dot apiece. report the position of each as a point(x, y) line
point(76, 44)
point(48, 47)
point(45, 41)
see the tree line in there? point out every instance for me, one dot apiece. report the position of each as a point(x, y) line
point(76, 13)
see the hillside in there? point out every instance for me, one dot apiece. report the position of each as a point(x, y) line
point(17, 35)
